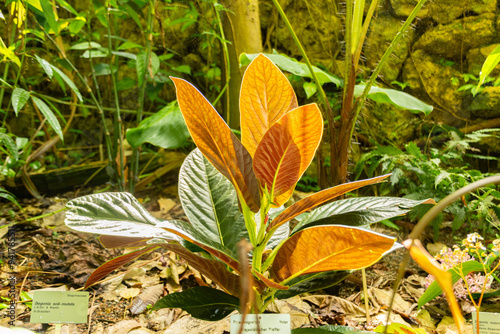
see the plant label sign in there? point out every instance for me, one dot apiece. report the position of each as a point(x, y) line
point(57, 307)
point(268, 323)
point(489, 323)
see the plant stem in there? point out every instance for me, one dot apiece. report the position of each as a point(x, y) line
point(46, 215)
point(142, 92)
point(226, 58)
point(118, 140)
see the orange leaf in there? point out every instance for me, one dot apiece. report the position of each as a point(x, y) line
point(287, 149)
point(270, 283)
point(115, 263)
point(432, 267)
point(265, 96)
point(325, 248)
point(217, 143)
point(114, 241)
point(319, 198)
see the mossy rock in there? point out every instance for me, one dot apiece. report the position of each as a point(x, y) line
point(444, 11)
point(476, 58)
point(454, 39)
point(486, 104)
point(383, 29)
point(432, 82)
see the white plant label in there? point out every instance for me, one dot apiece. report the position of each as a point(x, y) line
point(268, 323)
point(489, 323)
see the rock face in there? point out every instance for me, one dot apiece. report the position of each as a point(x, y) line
point(382, 31)
point(486, 104)
point(454, 39)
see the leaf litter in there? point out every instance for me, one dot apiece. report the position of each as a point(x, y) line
point(50, 255)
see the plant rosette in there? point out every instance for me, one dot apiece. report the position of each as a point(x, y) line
point(234, 190)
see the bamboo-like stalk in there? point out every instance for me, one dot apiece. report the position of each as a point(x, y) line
point(226, 58)
point(142, 91)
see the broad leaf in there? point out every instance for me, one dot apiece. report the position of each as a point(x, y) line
point(217, 143)
point(10, 145)
point(19, 99)
point(45, 65)
point(118, 214)
point(326, 248)
point(358, 211)
point(312, 282)
point(112, 241)
point(85, 46)
point(435, 290)
point(115, 263)
point(68, 82)
point(210, 201)
point(287, 149)
point(293, 66)
point(489, 64)
point(145, 70)
point(265, 96)
point(48, 13)
point(201, 302)
point(319, 198)
point(165, 129)
point(397, 98)
point(51, 118)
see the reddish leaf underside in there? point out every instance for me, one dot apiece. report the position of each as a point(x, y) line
point(325, 248)
point(287, 149)
point(319, 198)
point(265, 96)
point(217, 143)
point(115, 263)
point(113, 241)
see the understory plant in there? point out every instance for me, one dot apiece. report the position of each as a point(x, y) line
point(472, 265)
point(233, 192)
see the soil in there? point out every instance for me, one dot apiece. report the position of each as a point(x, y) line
point(50, 255)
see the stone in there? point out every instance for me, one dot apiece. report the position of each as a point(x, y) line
point(433, 83)
point(454, 39)
point(476, 58)
point(383, 29)
point(443, 11)
point(486, 104)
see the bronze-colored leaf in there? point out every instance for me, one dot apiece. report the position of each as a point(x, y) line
point(217, 143)
point(432, 267)
point(115, 263)
point(213, 269)
point(326, 248)
point(113, 241)
point(287, 149)
point(265, 96)
point(319, 198)
point(270, 283)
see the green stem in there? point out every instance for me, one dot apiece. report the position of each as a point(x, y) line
point(118, 140)
point(226, 58)
point(361, 99)
point(46, 215)
point(142, 92)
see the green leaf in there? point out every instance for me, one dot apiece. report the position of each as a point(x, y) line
point(165, 129)
point(103, 69)
point(434, 290)
point(145, 71)
point(489, 64)
point(48, 13)
point(293, 66)
point(312, 282)
point(125, 83)
point(10, 145)
point(51, 118)
point(118, 214)
point(68, 82)
point(398, 99)
point(129, 45)
point(67, 6)
point(46, 66)
point(357, 211)
point(85, 46)
point(19, 99)
point(183, 69)
point(210, 202)
point(201, 302)
point(76, 25)
point(96, 53)
point(310, 88)
point(8, 196)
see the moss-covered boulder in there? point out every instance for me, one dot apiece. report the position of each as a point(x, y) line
point(437, 84)
point(383, 29)
point(444, 11)
point(476, 58)
point(454, 39)
point(486, 104)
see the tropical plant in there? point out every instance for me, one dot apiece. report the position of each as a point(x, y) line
point(232, 190)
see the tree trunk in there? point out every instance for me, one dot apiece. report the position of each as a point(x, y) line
point(242, 29)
